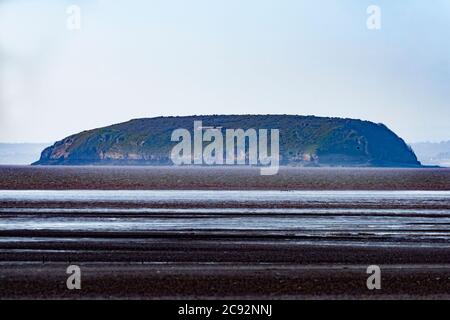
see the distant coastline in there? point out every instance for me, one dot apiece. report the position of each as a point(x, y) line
point(20, 153)
point(433, 154)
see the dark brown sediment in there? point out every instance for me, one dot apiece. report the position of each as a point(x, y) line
point(221, 178)
point(119, 281)
point(168, 267)
point(227, 270)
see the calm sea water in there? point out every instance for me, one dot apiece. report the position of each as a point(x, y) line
point(359, 217)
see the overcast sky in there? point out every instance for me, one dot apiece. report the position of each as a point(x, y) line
point(133, 59)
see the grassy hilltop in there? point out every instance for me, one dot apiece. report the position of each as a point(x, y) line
point(304, 141)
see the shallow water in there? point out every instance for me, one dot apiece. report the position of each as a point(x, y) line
point(371, 217)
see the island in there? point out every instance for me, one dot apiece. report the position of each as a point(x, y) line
point(307, 141)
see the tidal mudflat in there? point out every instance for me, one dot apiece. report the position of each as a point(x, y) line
point(224, 233)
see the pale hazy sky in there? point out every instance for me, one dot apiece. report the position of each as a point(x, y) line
point(150, 58)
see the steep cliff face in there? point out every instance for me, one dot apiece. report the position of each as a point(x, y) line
point(304, 141)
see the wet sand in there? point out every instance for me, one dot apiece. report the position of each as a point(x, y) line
point(225, 271)
point(220, 263)
point(221, 178)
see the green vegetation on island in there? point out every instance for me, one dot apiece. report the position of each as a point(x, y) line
point(304, 141)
